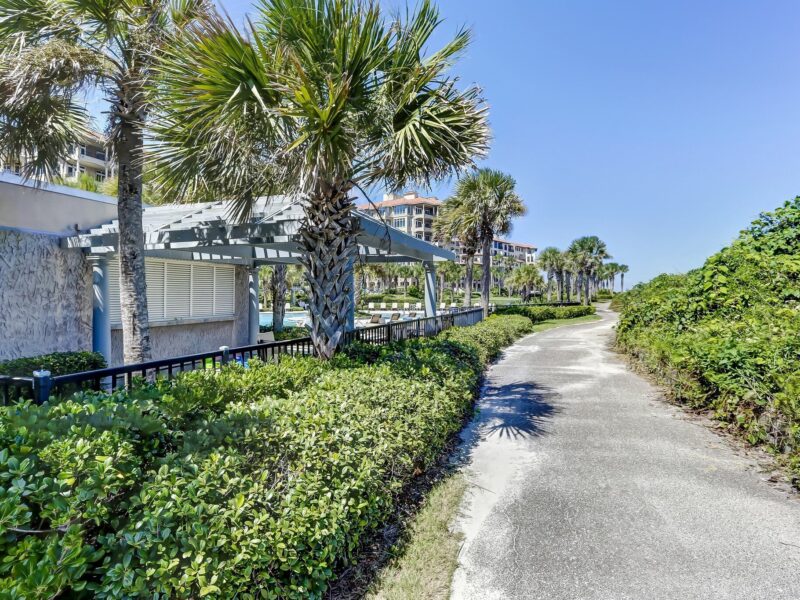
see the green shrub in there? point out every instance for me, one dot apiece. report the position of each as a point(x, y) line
point(537, 314)
point(724, 336)
point(58, 363)
point(247, 482)
point(603, 295)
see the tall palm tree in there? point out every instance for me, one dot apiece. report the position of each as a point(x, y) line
point(54, 52)
point(622, 270)
point(489, 202)
point(449, 226)
point(316, 98)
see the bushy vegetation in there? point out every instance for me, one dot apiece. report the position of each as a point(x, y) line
point(247, 482)
point(537, 314)
point(725, 336)
point(58, 363)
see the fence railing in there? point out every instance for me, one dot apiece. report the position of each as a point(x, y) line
point(42, 385)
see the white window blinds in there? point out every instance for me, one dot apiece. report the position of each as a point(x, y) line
point(179, 290)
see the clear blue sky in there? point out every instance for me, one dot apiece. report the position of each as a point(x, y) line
point(664, 127)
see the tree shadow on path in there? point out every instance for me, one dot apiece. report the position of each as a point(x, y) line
point(514, 411)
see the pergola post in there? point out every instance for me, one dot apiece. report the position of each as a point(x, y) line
point(101, 321)
point(430, 288)
point(253, 312)
point(350, 286)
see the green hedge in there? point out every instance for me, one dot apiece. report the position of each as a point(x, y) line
point(724, 336)
point(58, 363)
point(256, 482)
point(537, 314)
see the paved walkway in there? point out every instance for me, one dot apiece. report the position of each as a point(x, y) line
point(588, 485)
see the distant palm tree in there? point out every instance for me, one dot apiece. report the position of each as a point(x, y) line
point(450, 226)
point(488, 203)
point(588, 254)
point(622, 270)
point(319, 97)
point(551, 261)
point(526, 278)
point(52, 52)
point(278, 286)
point(452, 273)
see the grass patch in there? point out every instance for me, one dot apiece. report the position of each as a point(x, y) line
point(424, 563)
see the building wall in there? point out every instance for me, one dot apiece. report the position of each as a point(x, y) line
point(201, 335)
point(45, 296)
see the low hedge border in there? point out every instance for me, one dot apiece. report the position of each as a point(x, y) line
point(58, 363)
point(247, 482)
point(537, 314)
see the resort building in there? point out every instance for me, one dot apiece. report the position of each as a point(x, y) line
point(409, 212)
point(87, 158)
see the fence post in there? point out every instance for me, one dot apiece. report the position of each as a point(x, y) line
point(41, 386)
point(226, 354)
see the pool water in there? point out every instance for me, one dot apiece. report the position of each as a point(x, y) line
point(291, 319)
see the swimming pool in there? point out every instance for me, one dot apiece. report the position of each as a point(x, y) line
point(292, 318)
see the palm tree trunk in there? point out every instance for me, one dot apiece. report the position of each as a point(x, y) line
point(132, 283)
point(549, 286)
point(622, 282)
point(486, 283)
point(469, 266)
point(328, 233)
point(278, 288)
point(587, 298)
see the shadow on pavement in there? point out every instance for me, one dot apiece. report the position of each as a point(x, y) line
point(516, 410)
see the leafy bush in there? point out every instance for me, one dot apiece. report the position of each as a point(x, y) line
point(724, 336)
point(537, 314)
point(58, 363)
point(246, 482)
point(603, 295)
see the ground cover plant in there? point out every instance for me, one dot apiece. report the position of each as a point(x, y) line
point(58, 363)
point(247, 482)
point(724, 336)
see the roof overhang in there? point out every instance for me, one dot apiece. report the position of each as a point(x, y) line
point(269, 236)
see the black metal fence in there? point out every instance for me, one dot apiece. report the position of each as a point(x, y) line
point(42, 385)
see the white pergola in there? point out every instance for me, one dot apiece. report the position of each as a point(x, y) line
point(206, 232)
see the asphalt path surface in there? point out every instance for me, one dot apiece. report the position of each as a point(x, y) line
point(587, 484)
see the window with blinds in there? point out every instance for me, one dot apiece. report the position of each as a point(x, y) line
point(179, 290)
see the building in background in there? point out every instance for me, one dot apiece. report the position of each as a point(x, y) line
point(87, 158)
point(415, 215)
point(409, 212)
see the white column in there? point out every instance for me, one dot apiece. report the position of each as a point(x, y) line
point(253, 314)
point(430, 289)
point(101, 322)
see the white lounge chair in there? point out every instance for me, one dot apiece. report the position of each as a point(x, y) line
point(383, 305)
point(394, 305)
point(406, 306)
point(371, 306)
point(287, 306)
point(418, 306)
point(441, 305)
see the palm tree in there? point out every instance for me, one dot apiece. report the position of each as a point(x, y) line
point(526, 278)
point(452, 273)
point(488, 203)
point(551, 260)
point(588, 253)
point(622, 270)
point(54, 52)
point(449, 226)
point(277, 286)
point(317, 98)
